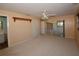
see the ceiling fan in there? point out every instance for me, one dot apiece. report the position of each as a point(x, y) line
point(45, 15)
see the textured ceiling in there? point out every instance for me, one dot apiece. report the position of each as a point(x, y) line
point(36, 9)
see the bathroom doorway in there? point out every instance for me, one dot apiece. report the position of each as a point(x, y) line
point(3, 32)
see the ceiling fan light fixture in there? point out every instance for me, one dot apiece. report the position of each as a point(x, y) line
point(44, 16)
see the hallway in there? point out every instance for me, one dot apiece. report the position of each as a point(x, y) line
point(44, 45)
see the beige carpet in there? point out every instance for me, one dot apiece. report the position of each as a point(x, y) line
point(44, 45)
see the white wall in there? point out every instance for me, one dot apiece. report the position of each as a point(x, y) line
point(43, 27)
point(20, 31)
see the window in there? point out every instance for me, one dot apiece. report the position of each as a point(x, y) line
point(59, 23)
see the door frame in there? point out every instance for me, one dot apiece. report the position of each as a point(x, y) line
point(8, 40)
point(64, 28)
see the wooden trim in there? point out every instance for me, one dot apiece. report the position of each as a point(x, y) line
point(24, 19)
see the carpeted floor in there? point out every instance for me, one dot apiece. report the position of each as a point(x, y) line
point(43, 45)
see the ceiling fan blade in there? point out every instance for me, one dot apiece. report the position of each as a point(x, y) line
point(51, 15)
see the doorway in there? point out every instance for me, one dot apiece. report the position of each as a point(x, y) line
point(3, 32)
point(56, 28)
point(60, 28)
point(49, 28)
